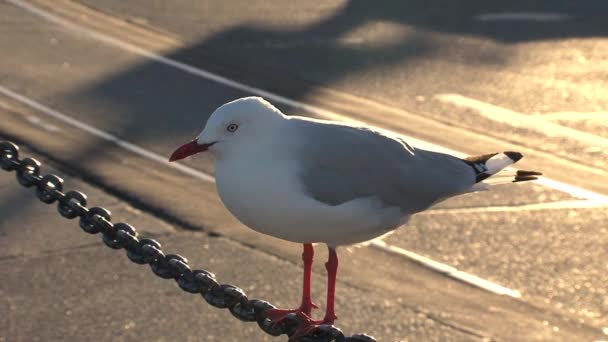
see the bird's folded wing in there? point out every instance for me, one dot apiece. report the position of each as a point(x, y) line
point(342, 163)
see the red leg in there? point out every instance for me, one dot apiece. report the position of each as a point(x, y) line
point(307, 256)
point(307, 305)
point(332, 270)
point(308, 324)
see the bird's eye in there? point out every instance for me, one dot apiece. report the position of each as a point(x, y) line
point(232, 127)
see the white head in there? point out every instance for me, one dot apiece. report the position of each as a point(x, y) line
point(242, 121)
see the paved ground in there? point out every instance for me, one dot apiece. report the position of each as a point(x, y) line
point(408, 53)
point(388, 67)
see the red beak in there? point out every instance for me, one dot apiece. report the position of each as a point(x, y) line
point(189, 149)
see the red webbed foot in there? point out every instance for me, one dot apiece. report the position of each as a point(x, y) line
point(279, 315)
point(307, 326)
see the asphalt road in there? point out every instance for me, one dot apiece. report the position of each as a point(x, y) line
point(391, 66)
point(408, 53)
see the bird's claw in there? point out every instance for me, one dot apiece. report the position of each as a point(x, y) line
point(307, 326)
point(279, 315)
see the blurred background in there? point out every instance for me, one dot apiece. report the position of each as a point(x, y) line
point(84, 81)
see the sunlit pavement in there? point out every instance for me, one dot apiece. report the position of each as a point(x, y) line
point(544, 243)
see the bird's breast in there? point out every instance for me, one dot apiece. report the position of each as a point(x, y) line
point(258, 192)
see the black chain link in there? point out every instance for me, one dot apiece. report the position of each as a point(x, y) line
point(72, 204)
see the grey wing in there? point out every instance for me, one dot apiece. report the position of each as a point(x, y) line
point(343, 163)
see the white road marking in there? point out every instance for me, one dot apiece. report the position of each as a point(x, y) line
point(40, 123)
point(575, 116)
point(105, 135)
point(445, 269)
point(574, 190)
point(523, 16)
point(535, 123)
point(574, 204)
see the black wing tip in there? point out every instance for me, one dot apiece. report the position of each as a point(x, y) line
point(514, 156)
point(527, 173)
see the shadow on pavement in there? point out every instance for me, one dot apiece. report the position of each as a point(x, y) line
point(295, 60)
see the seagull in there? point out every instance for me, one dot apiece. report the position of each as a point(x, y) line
point(314, 181)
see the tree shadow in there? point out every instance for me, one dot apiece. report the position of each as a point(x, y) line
point(161, 105)
point(154, 95)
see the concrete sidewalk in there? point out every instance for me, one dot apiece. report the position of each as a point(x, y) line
point(61, 284)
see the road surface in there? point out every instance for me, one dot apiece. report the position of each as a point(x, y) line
point(106, 89)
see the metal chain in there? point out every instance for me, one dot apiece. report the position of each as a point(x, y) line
point(72, 204)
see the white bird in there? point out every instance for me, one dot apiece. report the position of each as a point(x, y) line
point(313, 181)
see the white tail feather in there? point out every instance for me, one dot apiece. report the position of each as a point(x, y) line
point(495, 170)
point(498, 163)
